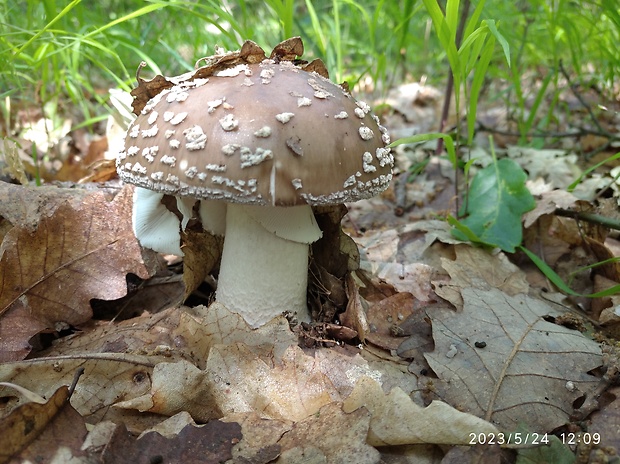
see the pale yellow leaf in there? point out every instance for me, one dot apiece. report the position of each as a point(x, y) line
point(397, 420)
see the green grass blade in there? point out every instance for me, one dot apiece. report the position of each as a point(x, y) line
point(500, 38)
point(476, 87)
point(134, 14)
point(559, 283)
point(572, 186)
point(42, 31)
point(447, 140)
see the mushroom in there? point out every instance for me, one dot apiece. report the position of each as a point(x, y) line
point(270, 140)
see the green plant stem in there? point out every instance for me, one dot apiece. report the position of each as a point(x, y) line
point(589, 217)
point(448, 98)
point(445, 111)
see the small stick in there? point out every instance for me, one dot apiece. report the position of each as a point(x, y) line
point(76, 377)
point(589, 217)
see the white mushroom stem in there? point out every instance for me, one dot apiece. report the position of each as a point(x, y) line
point(264, 267)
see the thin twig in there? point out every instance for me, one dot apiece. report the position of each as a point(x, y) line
point(589, 217)
point(578, 96)
point(581, 132)
point(76, 377)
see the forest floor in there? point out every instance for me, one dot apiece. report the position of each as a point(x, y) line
point(431, 350)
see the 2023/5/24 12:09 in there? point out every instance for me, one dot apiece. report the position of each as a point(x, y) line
point(531, 438)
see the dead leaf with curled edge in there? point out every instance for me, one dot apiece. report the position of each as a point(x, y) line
point(108, 377)
point(397, 420)
point(175, 387)
point(48, 276)
point(499, 359)
point(33, 431)
point(202, 253)
point(355, 315)
point(249, 53)
point(211, 443)
point(287, 50)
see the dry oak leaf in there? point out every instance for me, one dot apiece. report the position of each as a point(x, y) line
point(208, 444)
point(260, 438)
point(147, 334)
point(397, 420)
point(392, 256)
point(290, 389)
point(108, 377)
point(547, 203)
point(48, 277)
point(502, 361)
point(330, 436)
point(176, 387)
point(202, 327)
point(35, 432)
point(475, 267)
point(24, 207)
point(386, 316)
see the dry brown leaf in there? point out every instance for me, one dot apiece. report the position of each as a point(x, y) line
point(34, 432)
point(202, 327)
point(502, 361)
point(567, 244)
point(208, 444)
point(331, 436)
point(260, 438)
point(397, 420)
point(552, 237)
point(108, 378)
point(547, 204)
point(98, 436)
point(147, 334)
point(243, 382)
point(395, 256)
point(177, 387)
point(354, 316)
point(606, 421)
point(202, 253)
point(48, 277)
point(385, 318)
point(24, 207)
point(173, 425)
point(475, 267)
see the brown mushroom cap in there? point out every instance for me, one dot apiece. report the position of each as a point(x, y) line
point(267, 133)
